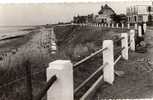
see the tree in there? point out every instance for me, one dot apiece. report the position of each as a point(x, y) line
point(121, 18)
point(149, 16)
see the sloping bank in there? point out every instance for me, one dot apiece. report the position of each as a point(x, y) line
point(32, 48)
point(76, 42)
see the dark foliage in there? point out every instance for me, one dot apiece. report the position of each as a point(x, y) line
point(119, 18)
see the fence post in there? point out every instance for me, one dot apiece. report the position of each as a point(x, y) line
point(98, 25)
point(128, 25)
point(112, 25)
point(132, 40)
point(139, 31)
point(124, 43)
point(122, 25)
point(117, 25)
point(135, 26)
point(144, 27)
point(108, 25)
point(108, 57)
point(62, 89)
point(102, 25)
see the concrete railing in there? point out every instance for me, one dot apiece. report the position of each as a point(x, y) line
point(63, 88)
point(112, 25)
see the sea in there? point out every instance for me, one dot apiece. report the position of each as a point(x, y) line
point(7, 31)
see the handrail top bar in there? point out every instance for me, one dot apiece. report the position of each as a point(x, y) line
point(50, 82)
point(88, 57)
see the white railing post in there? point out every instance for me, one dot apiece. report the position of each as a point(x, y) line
point(105, 25)
point(144, 27)
point(108, 25)
point(132, 40)
point(112, 25)
point(128, 25)
point(117, 25)
point(124, 43)
point(108, 57)
point(62, 89)
point(135, 26)
point(140, 31)
point(102, 25)
point(82, 24)
point(122, 25)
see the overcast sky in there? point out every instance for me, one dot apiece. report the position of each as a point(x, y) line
point(37, 14)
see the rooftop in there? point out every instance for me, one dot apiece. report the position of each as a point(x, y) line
point(103, 8)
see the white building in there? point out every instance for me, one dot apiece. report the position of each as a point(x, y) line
point(139, 13)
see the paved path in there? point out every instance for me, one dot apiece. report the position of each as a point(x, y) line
point(138, 79)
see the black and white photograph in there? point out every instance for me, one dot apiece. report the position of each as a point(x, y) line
point(93, 50)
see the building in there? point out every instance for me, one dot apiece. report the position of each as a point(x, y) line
point(139, 13)
point(84, 19)
point(104, 15)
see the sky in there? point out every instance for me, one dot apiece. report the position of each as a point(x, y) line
point(49, 13)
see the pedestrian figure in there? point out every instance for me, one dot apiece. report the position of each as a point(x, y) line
point(140, 43)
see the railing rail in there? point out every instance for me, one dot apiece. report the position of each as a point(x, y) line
point(118, 58)
point(45, 89)
point(88, 57)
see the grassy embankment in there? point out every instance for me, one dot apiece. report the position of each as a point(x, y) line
point(15, 52)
